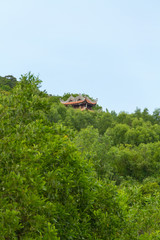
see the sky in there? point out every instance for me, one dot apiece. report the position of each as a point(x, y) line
point(108, 49)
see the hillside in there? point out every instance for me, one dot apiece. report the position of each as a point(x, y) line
point(70, 174)
point(7, 83)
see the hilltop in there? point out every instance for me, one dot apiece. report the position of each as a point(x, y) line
point(72, 174)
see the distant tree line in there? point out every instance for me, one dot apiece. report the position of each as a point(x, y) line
point(7, 83)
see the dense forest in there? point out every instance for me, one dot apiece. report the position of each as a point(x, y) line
point(69, 174)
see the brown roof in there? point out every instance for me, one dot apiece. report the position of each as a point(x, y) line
point(81, 101)
point(77, 100)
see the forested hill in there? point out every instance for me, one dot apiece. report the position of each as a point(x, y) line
point(7, 83)
point(71, 174)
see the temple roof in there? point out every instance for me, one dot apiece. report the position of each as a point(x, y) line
point(78, 100)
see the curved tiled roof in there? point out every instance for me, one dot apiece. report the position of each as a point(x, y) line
point(77, 100)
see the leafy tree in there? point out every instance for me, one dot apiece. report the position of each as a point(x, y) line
point(117, 133)
point(156, 115)
point(8, 82)
point(104, 122)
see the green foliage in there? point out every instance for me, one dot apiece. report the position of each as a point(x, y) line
point(95, 148)
point(69, 174)
point(104, 122)
point(8, 82)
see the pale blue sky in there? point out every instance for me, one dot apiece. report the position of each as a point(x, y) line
point(109, 49)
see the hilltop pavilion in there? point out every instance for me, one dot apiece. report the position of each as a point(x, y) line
point(80, 101)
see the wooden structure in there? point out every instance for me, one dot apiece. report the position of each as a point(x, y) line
point(80, 101)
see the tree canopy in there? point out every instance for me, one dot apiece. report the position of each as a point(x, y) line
point(70, 174)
